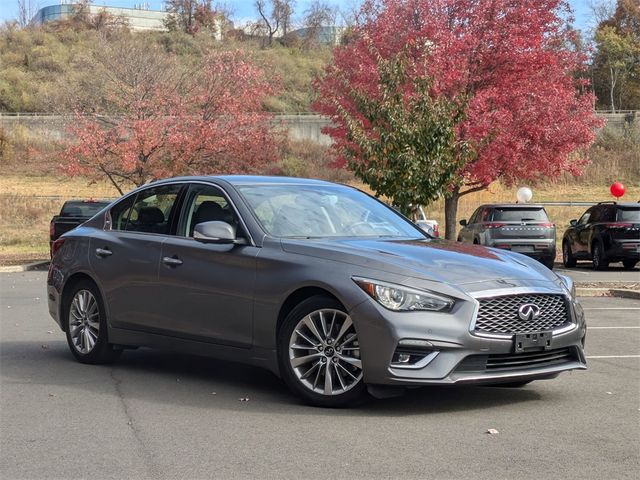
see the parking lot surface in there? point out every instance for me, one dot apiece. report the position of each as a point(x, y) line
point(161, 415)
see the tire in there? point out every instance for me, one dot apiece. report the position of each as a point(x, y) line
point(86, 325)
point(305, 326)
point(629, 264)
point(548, 262)
point(568, 260)
point(599, 260)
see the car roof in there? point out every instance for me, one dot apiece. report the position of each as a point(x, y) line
point(250, 180)
point(512, 205)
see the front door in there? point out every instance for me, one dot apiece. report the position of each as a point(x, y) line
point(207, 289)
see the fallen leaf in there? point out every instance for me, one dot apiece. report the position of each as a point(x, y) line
point(50, 332)
point(213, 393)
point(52, 394)
point(492, 431)
point(244, 399)
point(609, 393)
point(44, 346)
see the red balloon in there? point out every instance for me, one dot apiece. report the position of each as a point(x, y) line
point(617, 189)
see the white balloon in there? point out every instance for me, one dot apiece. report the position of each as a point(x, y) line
point(524, 195)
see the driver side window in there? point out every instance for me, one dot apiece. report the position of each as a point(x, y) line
point(206, 203)
point(584, 219)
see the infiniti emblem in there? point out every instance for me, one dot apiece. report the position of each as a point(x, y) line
point(528, 312)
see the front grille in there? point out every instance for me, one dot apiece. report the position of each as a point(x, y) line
point(504, 362)
point(500, 314)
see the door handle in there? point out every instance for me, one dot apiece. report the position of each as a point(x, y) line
point(103, 252)
point(172, 261)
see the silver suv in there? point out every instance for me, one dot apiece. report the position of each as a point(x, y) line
point(521, 228)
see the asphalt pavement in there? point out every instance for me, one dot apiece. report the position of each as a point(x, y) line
point(584, 272)
point(161, 415)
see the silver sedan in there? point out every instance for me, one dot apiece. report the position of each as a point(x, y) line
point(320, 283)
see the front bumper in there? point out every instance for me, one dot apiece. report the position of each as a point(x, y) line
point(458, 356)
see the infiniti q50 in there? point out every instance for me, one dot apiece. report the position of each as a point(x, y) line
point(322, 284)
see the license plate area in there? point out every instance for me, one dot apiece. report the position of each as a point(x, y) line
point(532, 341)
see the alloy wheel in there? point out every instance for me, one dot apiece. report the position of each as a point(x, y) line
point(84, 321)
point(324, 352)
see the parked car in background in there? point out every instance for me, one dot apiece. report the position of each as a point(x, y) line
point(605, 233)
point(72, 214)
point(521, 228)
point(320, 283)
point(419, 217)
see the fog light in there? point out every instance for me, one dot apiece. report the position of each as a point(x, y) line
point(403, 358)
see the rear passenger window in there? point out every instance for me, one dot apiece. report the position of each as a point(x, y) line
point(120, 213)
point(153, 210)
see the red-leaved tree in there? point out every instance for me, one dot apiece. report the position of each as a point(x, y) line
point(162, 123)
point(511, 63)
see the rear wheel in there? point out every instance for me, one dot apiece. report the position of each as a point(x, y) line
point(86, 325)
point(599, 260)
point(568, 260)
point(319, 354)
point(629, 264)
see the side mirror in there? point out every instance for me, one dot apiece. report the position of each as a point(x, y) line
point(573, 222)
point(214, 232)
point(463, 222)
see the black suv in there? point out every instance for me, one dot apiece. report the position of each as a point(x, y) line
point(522, 228)
point(607, 232)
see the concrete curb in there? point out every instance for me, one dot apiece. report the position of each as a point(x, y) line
point(40, 265)
point(625, 293)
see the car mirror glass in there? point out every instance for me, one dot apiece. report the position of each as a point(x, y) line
point(573, 222)
point(463, 222)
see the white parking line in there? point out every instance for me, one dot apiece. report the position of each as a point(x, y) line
point(611, 308)
point(613, 356)
point(608, 328)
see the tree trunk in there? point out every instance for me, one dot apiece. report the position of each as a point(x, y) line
point(612, 90)
point(450, 214)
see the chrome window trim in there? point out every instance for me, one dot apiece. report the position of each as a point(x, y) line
point(107, 223)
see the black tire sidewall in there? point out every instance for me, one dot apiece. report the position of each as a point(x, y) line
point(598, 253)
point(102, 352)
point(567, 257)
point(352, 397)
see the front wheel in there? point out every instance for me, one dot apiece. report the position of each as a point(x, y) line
point(599, 260)
point(319, 354)
point(86, 325)
point(568, 260)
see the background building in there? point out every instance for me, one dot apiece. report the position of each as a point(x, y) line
point(136, 18)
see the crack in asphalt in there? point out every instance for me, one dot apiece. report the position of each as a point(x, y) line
point(145, 453)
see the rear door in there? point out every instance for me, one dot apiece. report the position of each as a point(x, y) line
point(581, 232)
point(206, 290)
point(125, 256)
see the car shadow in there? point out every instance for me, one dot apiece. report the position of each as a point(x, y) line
point(164, 377)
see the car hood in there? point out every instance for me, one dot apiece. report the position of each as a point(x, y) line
point(431, 259)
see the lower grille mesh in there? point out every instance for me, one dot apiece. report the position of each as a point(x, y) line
point(509, 361)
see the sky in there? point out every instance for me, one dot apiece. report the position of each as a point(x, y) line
point(244, 9)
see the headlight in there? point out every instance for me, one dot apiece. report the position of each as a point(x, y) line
point(404, 299)
point(568, 284)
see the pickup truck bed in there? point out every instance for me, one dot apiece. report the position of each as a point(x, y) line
point(72, 214)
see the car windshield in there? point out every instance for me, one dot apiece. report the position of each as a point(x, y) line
point(629, 214)
point(320, 211)
point(520, 214)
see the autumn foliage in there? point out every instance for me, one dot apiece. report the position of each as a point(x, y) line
point(163, 123)
point(527, 116)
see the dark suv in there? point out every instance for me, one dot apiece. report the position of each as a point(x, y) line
point(522, 228)
point(607, 232)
